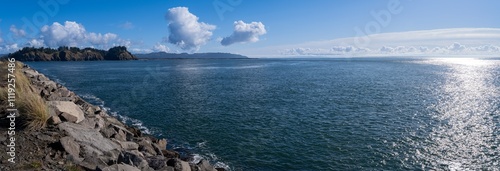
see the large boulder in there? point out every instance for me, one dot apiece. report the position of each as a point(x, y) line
point(179, 165)
point(204, 165)
point(89, 137)
point(120, 167)
point(71, 147)
point(134, 158)
point(67, 110)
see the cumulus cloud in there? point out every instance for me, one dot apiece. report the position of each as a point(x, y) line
point(74, 34)
point(456, 47)
point(186, 31)
point(244, 32)
point(99, 39)
point(17, 32)
point(35, 43)
point(160, 48)
point(11, 47)
point(487, 48)
point(69, 34)
point(386, 49)
point(334, 51)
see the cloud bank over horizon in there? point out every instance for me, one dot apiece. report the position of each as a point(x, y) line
point(244, 33)
point(439, 42)
point(186, 32)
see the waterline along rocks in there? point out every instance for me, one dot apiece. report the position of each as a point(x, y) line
point(81, 136)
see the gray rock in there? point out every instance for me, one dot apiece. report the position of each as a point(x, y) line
point(134, 158)
point(108, 132)
point(120, 135)
point(50, 86)
point(44, 93)
point(42, 77)
point(92, 163)
point(120, 167)
point(110, 157)
point(90, 137)
point(70, 146)
point(64, 92)
point(204, 165)
point(31, 73)
point(113, 120)
point(89, 123)
point(91, 151)
point(54, 120)
point(170, 154)
point(100, 123)
point(129, 145)
point(162, 144)
point(145, 145)
point(57, 97)
point(168, 168)
point(89, 110)
point(68, 110)
point(179, 165)
point(156, 162)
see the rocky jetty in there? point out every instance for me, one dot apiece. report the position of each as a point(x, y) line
point(71, 54)
point(81, 136)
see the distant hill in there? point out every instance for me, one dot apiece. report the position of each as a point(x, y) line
point(163, 55)
point(71, 54)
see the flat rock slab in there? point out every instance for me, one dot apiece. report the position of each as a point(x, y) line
point(70, 146)
point(68, 110)
point(120, 167)
point(88, 136)
point(31, 73)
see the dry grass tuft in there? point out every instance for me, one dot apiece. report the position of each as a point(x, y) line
point(30, 104)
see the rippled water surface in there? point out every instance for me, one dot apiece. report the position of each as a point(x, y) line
point(306, 114)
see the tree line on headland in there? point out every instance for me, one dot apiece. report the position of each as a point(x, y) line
point(65, 53)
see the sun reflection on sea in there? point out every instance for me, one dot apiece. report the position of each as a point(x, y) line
point(464, 138)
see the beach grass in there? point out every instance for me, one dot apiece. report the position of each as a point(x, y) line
point(31, 106)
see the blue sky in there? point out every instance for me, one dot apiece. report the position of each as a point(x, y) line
point(267, 28)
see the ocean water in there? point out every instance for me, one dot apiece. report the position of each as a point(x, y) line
point(306, 114)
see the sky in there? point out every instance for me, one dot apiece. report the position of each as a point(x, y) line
point(274, 28)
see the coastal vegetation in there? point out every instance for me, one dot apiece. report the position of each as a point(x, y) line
point(32, 108)
point(65, 53)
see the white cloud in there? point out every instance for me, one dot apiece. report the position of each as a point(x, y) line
point(10, 47)
point(35, 43)
point(127, 25)
point(99, 39)
point(160, 48)
point(336, 50)
point(69, 34)
point(74, 35)
point(17, 32)
point(456, 47)
point(442, 42)
point(244, 32)
point(185, 30)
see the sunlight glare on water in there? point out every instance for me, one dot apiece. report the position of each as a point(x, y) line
point(465, 137)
